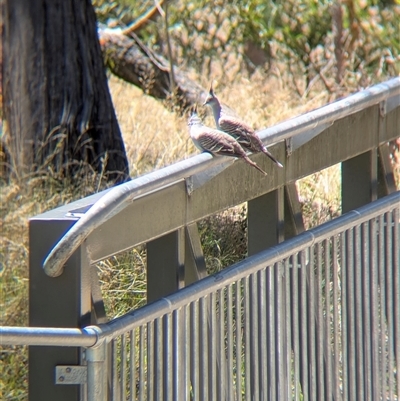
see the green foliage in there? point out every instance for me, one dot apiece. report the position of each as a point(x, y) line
point(298, 33)
point(303, 26)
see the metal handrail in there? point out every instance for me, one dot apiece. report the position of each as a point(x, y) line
point(91, 336)
point(49, 336)
point(249, 265)
point(121, 196)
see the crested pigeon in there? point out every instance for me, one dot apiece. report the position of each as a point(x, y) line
point(217, 142)
point(233, 126)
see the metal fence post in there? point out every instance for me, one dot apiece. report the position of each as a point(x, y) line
point(265, 221)
point(359, 180)
point(165, 264)
point(96, 372)
point(64, 301)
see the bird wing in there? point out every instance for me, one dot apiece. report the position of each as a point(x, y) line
point(242, 132)
point(236, 128)
point(220, 143)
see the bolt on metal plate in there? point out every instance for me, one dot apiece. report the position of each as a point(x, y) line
point(71, 374)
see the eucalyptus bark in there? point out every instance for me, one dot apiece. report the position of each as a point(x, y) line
point(57, 103)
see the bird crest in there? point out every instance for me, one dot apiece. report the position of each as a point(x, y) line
point(211, 95)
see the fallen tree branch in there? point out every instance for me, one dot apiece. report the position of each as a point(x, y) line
point(132, 61)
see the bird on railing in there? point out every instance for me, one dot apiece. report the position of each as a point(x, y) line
point(233, 126)
point(217, 142)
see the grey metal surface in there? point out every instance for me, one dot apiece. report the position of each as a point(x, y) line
point(97, 372)
point(301, 295)
point(274, 254)
point(64, 302)
point(354, 116)
point(71, 375)
point(48, 336)
point(314, 318)
point(265, 221)
point(165, 265)
point(359, 180)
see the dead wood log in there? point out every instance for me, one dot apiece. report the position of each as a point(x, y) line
point(129, 59)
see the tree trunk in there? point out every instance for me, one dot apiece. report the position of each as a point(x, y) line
point(57, 104)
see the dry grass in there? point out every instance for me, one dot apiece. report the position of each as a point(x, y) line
point(154, 137)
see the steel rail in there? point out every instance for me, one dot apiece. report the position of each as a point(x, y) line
point(121, 196)
point(49, 336)
point(91, 336)
point(248, 266)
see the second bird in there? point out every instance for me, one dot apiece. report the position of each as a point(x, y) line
point(241, 131)
point(217, 142)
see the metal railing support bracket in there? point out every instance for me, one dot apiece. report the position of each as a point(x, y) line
point(71, 374)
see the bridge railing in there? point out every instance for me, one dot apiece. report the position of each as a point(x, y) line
point(161, 209)
point(316, 317)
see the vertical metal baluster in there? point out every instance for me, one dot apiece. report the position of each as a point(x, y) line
point(168, 357)
point(97, 385)
point(288, 343)
point(351, 313)
point(123, 367)
point(221, 383)
point(132, 365)
point(358, 313)
point(158, 359)
point(212, 346)
point(114, 374)
point(396, 287)
point(373, 239)
point(151, 373)
point(328, 332)
point(343, 310)
point(187, 347)
point(295, 331)
point(178, 359)
point(196, 356)
point(203, 372)
point(239, 339)
point(279, 317)
point(335, 323)
point(367, 307)
point(320, 326)
point(312, 316)
point(247, 365)
point(176, 322)
point(142, 351)
point(262, 318)
point(230, 344)
point(382, 304)
point(272, 330)
point(389, 301)
point(304, 324)
point(254, 337)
